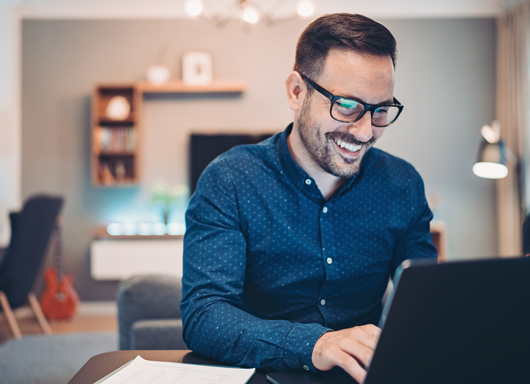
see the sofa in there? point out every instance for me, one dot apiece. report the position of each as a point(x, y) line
point(149, 314)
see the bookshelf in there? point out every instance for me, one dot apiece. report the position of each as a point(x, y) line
point(115, 133)
point(117, 126)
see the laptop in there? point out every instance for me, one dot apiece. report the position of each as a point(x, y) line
point(459, 322)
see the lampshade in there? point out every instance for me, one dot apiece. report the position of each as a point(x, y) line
point(491, 162)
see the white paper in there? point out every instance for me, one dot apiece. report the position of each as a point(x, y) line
point(141, 371)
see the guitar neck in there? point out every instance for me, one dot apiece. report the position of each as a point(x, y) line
point(58, 260)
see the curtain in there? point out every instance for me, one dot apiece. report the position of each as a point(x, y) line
point(512, 113)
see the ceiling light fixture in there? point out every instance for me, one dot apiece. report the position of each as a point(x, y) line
point(193, 7)
point(248, 11)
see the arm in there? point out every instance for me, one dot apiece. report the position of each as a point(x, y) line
point(417, 242)
point(216, 323)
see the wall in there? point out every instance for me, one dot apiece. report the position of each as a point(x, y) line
point(10, 152)
point(445, 79)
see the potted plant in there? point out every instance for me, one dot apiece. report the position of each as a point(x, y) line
point(168, 197)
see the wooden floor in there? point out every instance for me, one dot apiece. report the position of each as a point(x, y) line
point(79, 323)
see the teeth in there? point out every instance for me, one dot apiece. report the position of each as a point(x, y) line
point(349, 147)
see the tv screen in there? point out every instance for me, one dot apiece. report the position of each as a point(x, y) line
point(204, 148)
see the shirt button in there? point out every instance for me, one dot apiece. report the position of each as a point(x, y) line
point(322, 302)
point(325, 209)
point(329, 260)
point(307, 181)
point(306, 367)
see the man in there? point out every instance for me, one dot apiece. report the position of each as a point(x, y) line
point(290, 243)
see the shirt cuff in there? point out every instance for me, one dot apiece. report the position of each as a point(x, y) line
point(299, 344)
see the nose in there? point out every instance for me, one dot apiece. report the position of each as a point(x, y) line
point(362, 129)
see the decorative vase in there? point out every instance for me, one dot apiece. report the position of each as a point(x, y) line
point(166, 216)
point(157, 74)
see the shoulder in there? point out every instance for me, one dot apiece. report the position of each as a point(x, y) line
point(382, 165)
point(250, 155)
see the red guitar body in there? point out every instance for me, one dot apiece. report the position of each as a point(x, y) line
point(59, 300)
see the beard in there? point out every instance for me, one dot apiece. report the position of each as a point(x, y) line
point(320, 147)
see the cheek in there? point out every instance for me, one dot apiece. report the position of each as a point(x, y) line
point(378, 132)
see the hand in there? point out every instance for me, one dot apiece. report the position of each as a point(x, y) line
point(351, 349)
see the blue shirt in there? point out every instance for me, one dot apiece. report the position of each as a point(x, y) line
point(270, 265)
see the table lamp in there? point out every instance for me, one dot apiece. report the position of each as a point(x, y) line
point(492, 155)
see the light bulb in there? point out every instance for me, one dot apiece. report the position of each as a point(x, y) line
point(159, 229)
point(129, 229)
point(250, 15)
point(145, 229)
point(193, 7)
point(115, 229)
point(305, 8)
point(490, 170)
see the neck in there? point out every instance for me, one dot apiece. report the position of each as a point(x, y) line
point(326, 182)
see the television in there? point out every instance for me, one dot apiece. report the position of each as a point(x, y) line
point(206, 147)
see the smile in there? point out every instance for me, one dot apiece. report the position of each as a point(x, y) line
point(347, 146)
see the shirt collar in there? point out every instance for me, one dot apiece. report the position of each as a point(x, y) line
point(289, 166)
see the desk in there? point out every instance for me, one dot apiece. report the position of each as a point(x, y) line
point(101, 365)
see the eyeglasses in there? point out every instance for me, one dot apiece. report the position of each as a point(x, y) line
point(348, 110)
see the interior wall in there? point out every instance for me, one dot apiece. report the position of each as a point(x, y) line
point(445, 79)
point(10, 141)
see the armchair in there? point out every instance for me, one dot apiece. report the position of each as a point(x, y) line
point(149, 314)
point(20, 262)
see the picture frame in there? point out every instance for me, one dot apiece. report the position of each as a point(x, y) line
point(197, 68)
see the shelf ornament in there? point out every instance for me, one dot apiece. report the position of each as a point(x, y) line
point(118, 108)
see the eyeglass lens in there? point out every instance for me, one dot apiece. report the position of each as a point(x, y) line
point(348, 110)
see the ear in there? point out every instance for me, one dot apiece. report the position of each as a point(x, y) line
point(296, 90)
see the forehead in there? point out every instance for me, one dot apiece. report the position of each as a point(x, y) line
point(361, 75)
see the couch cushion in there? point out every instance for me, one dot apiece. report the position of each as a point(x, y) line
point(157, 334)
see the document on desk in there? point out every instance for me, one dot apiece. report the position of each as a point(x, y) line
point(141, 371)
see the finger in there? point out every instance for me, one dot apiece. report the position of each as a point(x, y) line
point(351, 366)
point(372, 329)
point(363, 336)
point(360, 352)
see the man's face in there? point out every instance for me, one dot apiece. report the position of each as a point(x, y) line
point(335, 147)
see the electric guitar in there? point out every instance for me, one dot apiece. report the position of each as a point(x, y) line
point(59, 299)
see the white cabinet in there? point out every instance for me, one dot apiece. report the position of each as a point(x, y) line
point(118, 259)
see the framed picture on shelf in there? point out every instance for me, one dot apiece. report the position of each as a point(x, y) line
point(197, 68)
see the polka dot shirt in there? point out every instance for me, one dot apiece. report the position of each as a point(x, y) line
point(270, 265)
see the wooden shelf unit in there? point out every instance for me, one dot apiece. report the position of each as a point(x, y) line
point(116, 144)
point(219, 86)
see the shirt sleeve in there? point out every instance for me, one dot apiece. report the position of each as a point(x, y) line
point(417, 242)
point(215, 321)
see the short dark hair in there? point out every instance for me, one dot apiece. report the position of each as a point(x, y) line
point(344, 31)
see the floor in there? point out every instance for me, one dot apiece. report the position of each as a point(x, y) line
point(86, 320)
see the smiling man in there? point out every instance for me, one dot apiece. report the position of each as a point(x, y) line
point(290, 243)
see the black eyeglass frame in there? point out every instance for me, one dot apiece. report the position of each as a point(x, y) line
point(367, 107)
